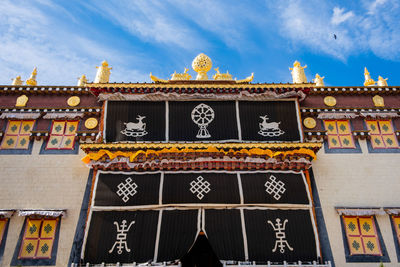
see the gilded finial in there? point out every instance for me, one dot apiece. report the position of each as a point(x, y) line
point(246, 80)
point(368, 81)
point(103, 73)
point(17, 81)
point(181, 76)
point(202, 64)
point(319, 81)
point(222, 76)
point(32, 79)
point(298, 74)
point(157, 80)
point(82, 80)
point(382, 82)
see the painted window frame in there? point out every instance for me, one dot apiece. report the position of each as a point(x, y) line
point(15, 150)
point(382, 257)
point(3, 236)
point(62, 151)
point(396, 233)
point(383, 149)
point(355, 149)
point(29, 261)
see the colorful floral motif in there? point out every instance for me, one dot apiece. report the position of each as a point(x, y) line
point(339, 134)
point(362, 235)
point(38, 238)
point(62, 135)
point(382, 134)
point(17, 134)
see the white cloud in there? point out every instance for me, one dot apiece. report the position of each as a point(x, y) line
point(340, 16)
point(310, 24)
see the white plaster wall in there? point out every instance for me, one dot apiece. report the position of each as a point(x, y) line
point(42, 182)
point(358, 180)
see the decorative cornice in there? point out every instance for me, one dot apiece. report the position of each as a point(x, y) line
point(334, 90)
point(25, 89)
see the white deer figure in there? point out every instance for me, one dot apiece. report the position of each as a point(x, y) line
point(264, 125)
point(138, 126)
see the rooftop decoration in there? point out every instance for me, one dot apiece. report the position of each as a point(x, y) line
point(382, 82)
point(202, 64)
point(319, 81)
point(298, 74)
point(368, 80)
point(103, 73)
point(17, 81)
point(32, 80)
point(82, 80)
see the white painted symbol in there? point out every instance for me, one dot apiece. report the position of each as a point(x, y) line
point(135, 129)
point(269, 128)
point(120, 243)
point(200, 187)
point(127, 189)
point(280, 235)
point(276, 188)
point(203, 115)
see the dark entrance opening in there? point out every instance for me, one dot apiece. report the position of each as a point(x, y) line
point(201, 255)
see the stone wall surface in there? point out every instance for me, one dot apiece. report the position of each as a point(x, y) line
point(358, 180)
point(42, 182)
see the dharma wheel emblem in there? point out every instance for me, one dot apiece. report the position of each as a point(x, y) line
point(203, 115)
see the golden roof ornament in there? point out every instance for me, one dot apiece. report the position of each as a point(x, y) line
point(17, 81)
point(202, 64)
point(32, 79)
point(246, 80)
point(156, 79)
point(103, 73)
point(82, 80)
point(319, 81)
point(222, 76)
point(368, 81)
point(382, 82)
point(298, 74)
point(181, 76)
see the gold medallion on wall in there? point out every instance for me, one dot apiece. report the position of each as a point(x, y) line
point(21, 101)
point(309, 123)
point(330, 101)
point(378, 101)
point(73, 101)
point(91, 123)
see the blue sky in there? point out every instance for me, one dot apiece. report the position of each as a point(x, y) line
point(66, 39)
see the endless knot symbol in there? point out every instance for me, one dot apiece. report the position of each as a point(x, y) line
point(275, 187)
point(280, 235)
point(127, 189)
point(120, 243)
point(200, 187)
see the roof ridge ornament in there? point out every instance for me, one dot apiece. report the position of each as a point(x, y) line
point(181, 76)
point(103, 73)
point(32, 79)
point(82, 81)
point(202, 64)
point(17, 81)
point(298, 74)
point(368, 80)
point(382, 81)
point(319, 81)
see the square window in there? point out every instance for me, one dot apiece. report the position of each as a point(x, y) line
point(340, 136)
point(62, 135)
point(17, 134)
point(382, 134)
point(3, 224)
point(37, 241)
point(362, 239)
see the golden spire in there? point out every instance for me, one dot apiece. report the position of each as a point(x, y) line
point(319, 81)
point(82, 80)
point(202, 64)
point(17, 81)
point(298, 74)
point(382, 82)
point(368, 81)
point(32, 79)
point(103, 73)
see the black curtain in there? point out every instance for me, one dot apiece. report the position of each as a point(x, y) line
point(271, 187)
point(140, 239)
point(179, 229)
point(224, 231)
point(222, 127)
point(284, 112)
point(298, 232)
point(206, 187)
point(121, 112)
point(127, 189)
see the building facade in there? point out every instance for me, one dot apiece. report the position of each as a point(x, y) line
point(204, 171)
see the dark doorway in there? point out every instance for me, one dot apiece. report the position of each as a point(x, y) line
point(201, 255)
